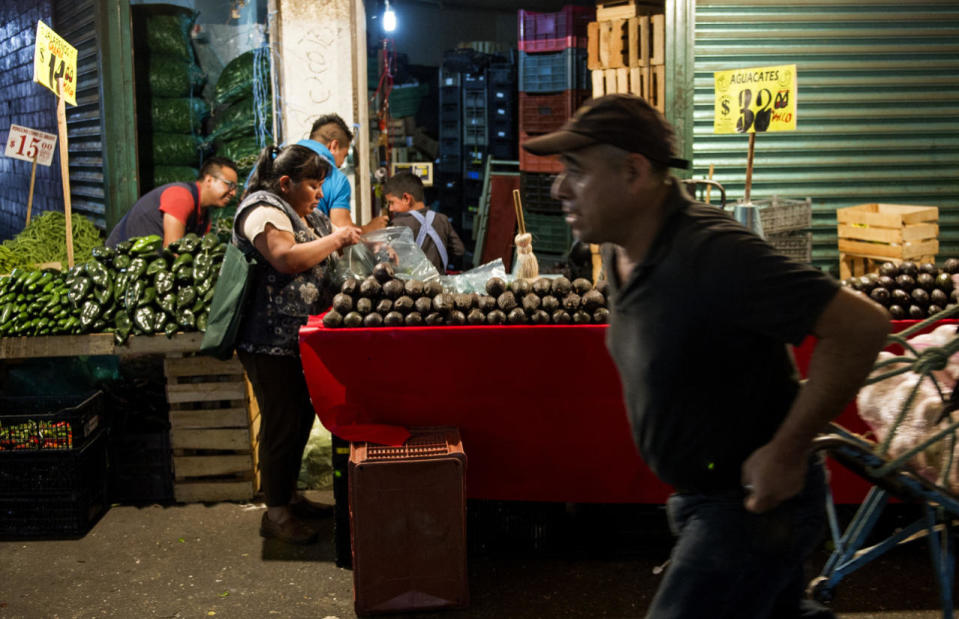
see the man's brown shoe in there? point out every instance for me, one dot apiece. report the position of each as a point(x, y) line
point(291, 531)
point(308, 510)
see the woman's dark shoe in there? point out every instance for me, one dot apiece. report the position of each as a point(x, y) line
point(292, 530)
point(308, 510)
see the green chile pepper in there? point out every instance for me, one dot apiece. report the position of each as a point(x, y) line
point(7, 313)
point(102, 253)
point(156, 266)
point(103, 295)
point(98, 273)
point(124, 247)
point(170, 329)
point(124, 325)
point(134, 293)
point(205, 287)
point(189, 243)
point(186, 319)
point(138, 267)
point(159, 321)
point(209, 241)
point(79, 289)
point(89, 313)
point(185, 297)
point(147, 245)
point(168, 303)
point(122, 262)
point(181, 260)
point(201, 321)
point(163, 282)
point(144, 319)
point(184, 273)
point(149, 296)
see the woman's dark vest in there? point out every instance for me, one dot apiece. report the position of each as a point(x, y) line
point(280, 303)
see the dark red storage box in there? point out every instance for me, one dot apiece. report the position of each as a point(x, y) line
point(408, 523)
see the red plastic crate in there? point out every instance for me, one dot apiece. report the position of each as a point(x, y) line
point(545, 113)
point(528, 162)
point(551, 32)
point(408, 523)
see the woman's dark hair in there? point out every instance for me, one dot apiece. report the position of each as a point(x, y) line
point(297, 162)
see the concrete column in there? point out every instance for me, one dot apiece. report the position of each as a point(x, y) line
point(319, 51)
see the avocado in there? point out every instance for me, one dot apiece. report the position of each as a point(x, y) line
point(561, 287)
point(350, 286)
point(889, 269)
point(582, 318)
point(531, 303)
point(516, 316)
point(476, 317)
point(393, 319)
point(906, 282)
point(342, 303)
point(414, 288)
point(920, 297)
point(550, 303)
point(496, 317)
point(403, 305)
point(593, 300)
point(373, 320)
point(364, 305)
point(571, 302)
point(542, 286)
point(383, 272)
point(495, 286)
point(432, 288)
point(944, 282)
point(601, 316)
point(353, 319)
point(443, 302)
point(561, 317)
point(332, 319)
point(423, 305)
point(457, 318)
point(413, 319)
point(909, 268)
point(384, 307)
point(880, 295)
point(896, 312)
point(539, 317)
point(393, 289)
point(951, 266)
point(581, 286)
point(926, 281)
point(371, 288)
point(434, 319)
point(485, 303)
point(520, 287)
point(506, 302)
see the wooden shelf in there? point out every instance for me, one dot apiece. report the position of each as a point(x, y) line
point(27, 347)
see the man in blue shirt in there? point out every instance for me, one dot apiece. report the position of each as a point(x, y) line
point(330, 138)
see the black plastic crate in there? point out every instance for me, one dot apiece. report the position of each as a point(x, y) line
point(141, 469)
point(49, 422)
point(53, 494)
point(535, 188)
point(503, 149)
point(499, 75)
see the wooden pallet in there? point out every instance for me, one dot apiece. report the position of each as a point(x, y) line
point(646, 82)
point(633, 42)
point(214, 423)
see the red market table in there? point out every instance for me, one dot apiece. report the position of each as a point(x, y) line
point(539, 408)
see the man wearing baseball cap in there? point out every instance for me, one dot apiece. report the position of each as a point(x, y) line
point(702, 311)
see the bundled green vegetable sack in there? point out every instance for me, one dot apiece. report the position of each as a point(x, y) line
point(44, 240)
point(169, 34)
point(240, 119)
point(174, 77)
point(173, 174)
point(236, 79)
point(178, 114)
point(175, 149)
point(238, 150)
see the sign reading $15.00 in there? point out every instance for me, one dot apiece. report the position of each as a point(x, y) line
point(54, 58)
point(755, 100)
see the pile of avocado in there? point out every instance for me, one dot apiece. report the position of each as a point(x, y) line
point(383, 300)
point(138, 288)
point(910, 291)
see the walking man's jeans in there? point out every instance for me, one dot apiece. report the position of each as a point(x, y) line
point(732, 563)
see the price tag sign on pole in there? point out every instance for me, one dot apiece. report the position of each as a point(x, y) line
point(53, 60)
point(755, 100)
point(30, 145)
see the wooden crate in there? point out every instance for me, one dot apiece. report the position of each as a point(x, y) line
point(632, 42)
point(214, 423)
point(624, 9)
point(893, 232)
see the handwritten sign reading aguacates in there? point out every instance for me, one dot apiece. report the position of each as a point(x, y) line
point(54, 58)
point(755, 100)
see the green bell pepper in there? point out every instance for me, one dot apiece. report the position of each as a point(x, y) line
point(138, 267)
point(134, 293)
point(144, 319)
point(164, 281)
point(89, 313)
point(170, 329)
point(149, 296)
point(149, 244)
point(157, 265)
point(168, 303)
point(186, 319)
point(209, 241)
point(98, 273)
point(185, 297)
point(78, 291)
point(122, 262)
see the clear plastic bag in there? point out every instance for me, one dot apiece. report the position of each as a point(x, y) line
point(394, 245)
point(474, 280)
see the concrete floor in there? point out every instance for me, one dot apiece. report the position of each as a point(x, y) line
point(202, 560)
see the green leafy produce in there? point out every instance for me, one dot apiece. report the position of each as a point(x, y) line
point(44, 240)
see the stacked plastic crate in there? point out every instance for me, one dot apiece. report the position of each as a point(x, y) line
point(475, 144)
point(627, 50)
point(553, 83)
point(449, 162)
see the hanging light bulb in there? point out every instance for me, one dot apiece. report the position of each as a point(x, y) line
point(389, 18)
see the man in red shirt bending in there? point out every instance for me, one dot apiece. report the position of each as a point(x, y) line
point(174, 209)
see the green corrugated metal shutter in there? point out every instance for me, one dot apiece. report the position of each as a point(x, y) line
point(878, 105)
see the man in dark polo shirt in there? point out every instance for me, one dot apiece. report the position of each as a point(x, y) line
point(702, 311)
point(174, 209)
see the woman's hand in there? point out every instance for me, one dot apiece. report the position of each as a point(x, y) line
point(346, 236)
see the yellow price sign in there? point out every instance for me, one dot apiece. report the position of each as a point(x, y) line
point(755, 100)
point(54, 58)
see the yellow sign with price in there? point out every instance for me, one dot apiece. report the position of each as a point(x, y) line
point(756, 100)
point(54, 58)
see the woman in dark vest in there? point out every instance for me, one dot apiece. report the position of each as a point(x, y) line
point(292, 280)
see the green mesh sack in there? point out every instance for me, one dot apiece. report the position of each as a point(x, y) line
point(163, 174)
point(239, 150)
point(174, 77)
point(236, 79)
point(178, 115)
point(175, 149)
point(240, 119)
point(169, 34)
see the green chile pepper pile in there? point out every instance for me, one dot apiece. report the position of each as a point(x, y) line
point(138, 288)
